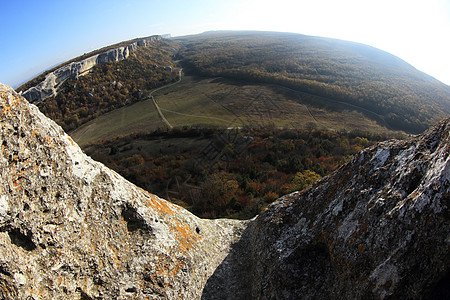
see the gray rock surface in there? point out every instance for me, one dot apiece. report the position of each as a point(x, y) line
point(49, 86)
point(71, 228)
point(377, 228)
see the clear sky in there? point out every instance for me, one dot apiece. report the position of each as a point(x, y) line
point(38, 34)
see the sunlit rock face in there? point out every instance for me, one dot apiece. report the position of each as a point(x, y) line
point(71, 228)
point(49, 86)
point(377, 228)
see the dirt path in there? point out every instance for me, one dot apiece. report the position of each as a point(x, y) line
point(161, 114)
point(156, 104)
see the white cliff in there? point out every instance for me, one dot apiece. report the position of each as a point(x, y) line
point(49, 86)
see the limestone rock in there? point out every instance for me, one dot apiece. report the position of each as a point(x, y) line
point(376, 228)
point(71, 228)
point(49, 86)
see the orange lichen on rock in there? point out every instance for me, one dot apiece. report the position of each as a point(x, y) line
point(16, 100)
point(158, 204)
point(7, 110)
point(17, 182)
point(49, 141)
point(186, 237)
point(71, 141)
point(75, 230)
point(177, 268)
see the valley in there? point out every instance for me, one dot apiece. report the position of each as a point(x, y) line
point(223, 123)
point(227, 148)
point(219, 102)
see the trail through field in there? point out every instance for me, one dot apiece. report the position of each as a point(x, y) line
point(160, 113)
point(156, 104)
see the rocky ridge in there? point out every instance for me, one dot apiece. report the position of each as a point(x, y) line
point(376, 228)
point(71, 228)
point(49, 86)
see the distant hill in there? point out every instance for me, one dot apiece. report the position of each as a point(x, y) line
point(345, 71)
point(376, 83)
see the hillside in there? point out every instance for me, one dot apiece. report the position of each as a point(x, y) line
point(317, 99)
point(70, 228)
point(353, 73)
point(203, 102)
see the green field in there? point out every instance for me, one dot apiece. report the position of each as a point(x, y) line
point(139, 117)
point(198, 101)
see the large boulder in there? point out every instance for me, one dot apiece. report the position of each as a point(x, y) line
point(376, 228)
point(71, 228)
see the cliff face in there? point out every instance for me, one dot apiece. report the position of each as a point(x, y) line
point(49, 86)
point(376, 228)
point(71, 228)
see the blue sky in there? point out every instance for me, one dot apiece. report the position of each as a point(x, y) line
point(36, 35)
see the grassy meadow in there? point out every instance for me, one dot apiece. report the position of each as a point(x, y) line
point(219, 102)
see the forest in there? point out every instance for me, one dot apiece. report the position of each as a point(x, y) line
point(219, 172)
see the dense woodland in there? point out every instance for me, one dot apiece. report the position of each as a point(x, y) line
point(110, 86)
point(228, 173)
point(353, 73)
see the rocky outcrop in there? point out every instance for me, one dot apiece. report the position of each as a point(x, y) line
point(49, 86)
point(71, 228)
point(377, 228)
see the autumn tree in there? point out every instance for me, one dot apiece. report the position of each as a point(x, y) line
point(303, 179)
